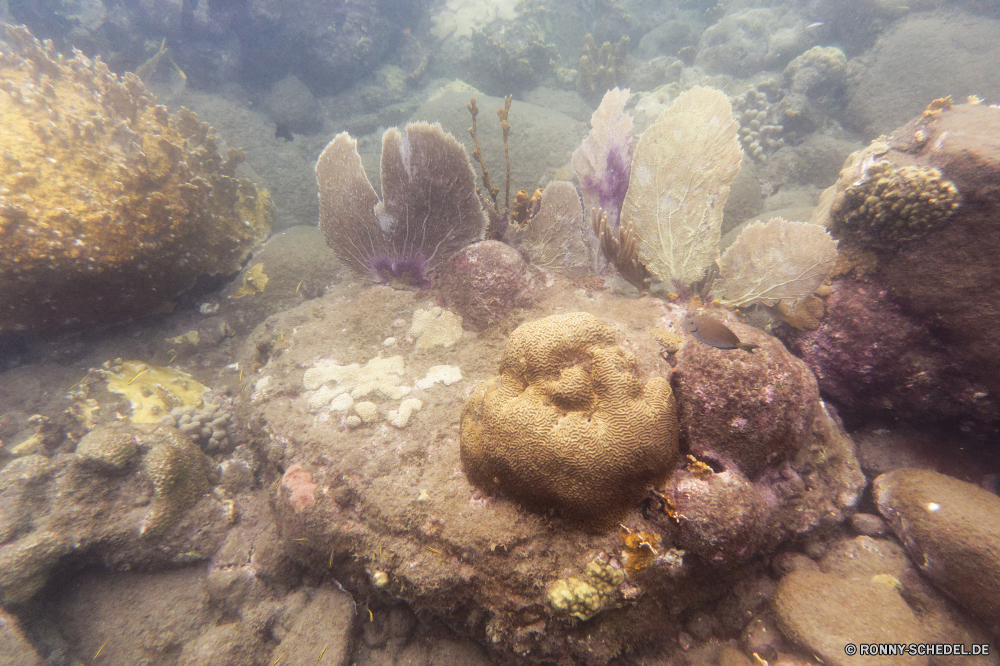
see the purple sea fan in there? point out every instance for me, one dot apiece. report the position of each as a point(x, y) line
point(603, 161)
point(429, 210)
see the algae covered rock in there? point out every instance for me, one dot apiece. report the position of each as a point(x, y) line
point(951, 531)
point(568, 425)
point(109, 205)
point(823, 612)
point(917, 215)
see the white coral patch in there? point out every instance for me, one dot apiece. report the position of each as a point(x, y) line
point(401, 417)
point(446, 374)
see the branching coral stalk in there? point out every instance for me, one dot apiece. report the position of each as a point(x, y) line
point(621, 250)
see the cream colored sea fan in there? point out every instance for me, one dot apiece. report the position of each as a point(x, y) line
point(553, 239)
point(775, 260)
point(682, 167)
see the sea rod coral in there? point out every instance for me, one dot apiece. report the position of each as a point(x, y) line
point(428, 212)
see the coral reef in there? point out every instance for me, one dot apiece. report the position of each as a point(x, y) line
point(111, 448)
point(621, 249)
point(109, 206)
point(550, 238)
point(130, 497)
point(435, 327)
point(937, 280)
point(889, 206)
point(567, 424)
point(179, 473)
point(153, 391)
point(604, 159)
point(489, 281)
point(760, 133)
point(428, 212)
point(401, 520)
point(205, 424)
point(820, 76)
point(748, 41)
point(602, 69)
point(583, 598)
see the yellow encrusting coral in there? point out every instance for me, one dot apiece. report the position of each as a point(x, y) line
point(152, 390)
point(583, 598)
point(894, 204)
point(109, 205)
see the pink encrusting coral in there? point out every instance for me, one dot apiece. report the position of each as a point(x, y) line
point(300, 487)
point(428, 212)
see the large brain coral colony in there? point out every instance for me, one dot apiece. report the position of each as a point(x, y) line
point(109, 206)
point(568, 425)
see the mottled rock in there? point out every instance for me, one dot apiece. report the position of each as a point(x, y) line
point(762, 417)
point(487, 282)
point(951, 531)
point(230, 644)
point(824, 612)
point(868, 524)
point(324, 624)
point(17, 651)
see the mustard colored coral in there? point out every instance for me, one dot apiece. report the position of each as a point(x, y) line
point(109, 206)
point(583, 598)
point(568, 425)
point(892, 204)
point(179, 473)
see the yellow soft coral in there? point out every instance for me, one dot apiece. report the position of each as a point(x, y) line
point(568, 425)
point(109, 206)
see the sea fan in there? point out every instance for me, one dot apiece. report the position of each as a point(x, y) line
point(429, 210)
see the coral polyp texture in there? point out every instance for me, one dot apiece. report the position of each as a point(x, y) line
point(429, 211)
point(891, 204)
point(568, 425)
point(109, 206)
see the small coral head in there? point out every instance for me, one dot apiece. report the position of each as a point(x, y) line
point(405, 271)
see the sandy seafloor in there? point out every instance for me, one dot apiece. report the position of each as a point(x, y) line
point(146, 616)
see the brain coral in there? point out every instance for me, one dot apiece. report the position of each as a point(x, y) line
point(109, 206)
point(568, 425)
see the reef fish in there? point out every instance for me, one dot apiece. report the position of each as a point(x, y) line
point(714, 334)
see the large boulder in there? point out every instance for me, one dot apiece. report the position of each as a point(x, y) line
point(951, 531)
point(913, 331)
point(363, 422)
point(110, 207)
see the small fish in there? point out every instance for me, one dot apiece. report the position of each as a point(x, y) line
point(714, 334)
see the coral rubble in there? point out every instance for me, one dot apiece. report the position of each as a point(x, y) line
point(109, 205)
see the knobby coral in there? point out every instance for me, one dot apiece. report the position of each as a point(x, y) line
point(429, 211)
point(109, 206)
point(568, 425)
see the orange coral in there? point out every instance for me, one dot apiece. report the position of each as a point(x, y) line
point(109, 206)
